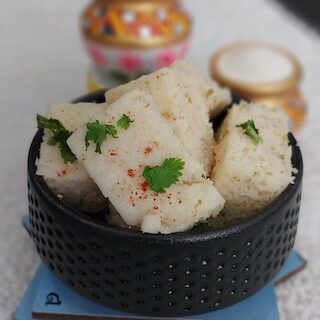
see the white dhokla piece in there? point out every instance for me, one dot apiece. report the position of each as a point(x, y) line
point(215, 97)
point(118, 171)
point(248, 175)
point(182, 105)
point(70, 180)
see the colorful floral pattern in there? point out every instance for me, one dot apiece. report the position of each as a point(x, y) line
point(105, 20)
point(98, 57)
point(166, 58)
point(129, 62)
point(121, 65)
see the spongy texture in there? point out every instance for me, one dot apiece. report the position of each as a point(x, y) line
point(70, 180)
point(118, 171)
point(182, 104)
point(216, 98)
point(249, 175)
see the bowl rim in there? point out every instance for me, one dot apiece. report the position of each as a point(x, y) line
point(194, 236)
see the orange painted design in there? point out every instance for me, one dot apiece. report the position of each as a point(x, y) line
point(116, 22)
point(122, 30)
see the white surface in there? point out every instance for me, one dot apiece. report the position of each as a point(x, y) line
point(42, 62)
point(255, 64)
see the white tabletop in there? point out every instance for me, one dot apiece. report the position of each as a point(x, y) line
point(42, 61)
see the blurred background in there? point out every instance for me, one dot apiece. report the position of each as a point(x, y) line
point(43, 60)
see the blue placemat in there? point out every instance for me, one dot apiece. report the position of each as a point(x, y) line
point(24, 310)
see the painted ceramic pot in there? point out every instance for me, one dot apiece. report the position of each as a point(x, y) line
point(264, 73)
point(128, 38)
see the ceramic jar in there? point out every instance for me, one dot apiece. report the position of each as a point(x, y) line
point(264, 73)
point(128, 38)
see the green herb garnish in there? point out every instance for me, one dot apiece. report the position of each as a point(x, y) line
point(161, 177)
point(124, 122)
point(59, 137)
point(97, 132)
point(251, 131)
point(120, 77)
point(205, 225)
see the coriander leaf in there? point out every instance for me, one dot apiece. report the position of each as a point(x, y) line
point(65, 150)
point(251, 131)
point(111, 130)
point(60, 136)
point(124, 122)
point(52, 141)
point(53, 124)
point(97, 132)
point(162, 177)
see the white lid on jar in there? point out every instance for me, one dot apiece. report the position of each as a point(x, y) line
point(255, 66)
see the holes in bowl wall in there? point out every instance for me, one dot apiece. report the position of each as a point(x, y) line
point(186, 280)
point(188, 285)
point(109, 295)
point(81, 247)
point(69, 233)
point(140, 302)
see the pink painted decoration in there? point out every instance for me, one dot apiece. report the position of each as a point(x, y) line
point(129, 62)
point(166, 58)
point(98, 56)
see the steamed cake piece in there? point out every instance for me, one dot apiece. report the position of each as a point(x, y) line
point(70, 180)
point(181, 105)
point(249, 175)
point(215, 97)
point(118, 170)
point(75, 115)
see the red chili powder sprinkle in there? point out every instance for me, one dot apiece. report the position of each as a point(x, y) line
point(180, 201)
point(62, 173)
point(130, 173)
point(155, 207)
point(144, 186)
point(147, 150)
point(113, 153)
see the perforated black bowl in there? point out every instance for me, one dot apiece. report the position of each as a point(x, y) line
point(161, 275)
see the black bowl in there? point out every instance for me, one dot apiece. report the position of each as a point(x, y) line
point(161, 275)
